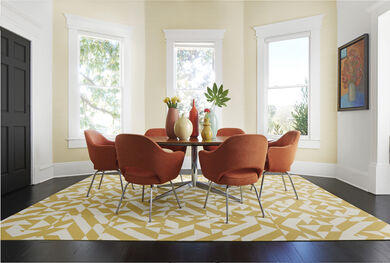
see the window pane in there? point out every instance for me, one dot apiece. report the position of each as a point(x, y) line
point(194, 72)
point(287, 110)
point(100, 92)
point(99, 62)
point(289, 62)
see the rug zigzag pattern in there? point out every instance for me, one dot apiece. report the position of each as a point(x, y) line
point(317, 215)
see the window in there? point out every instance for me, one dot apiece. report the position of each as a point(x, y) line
point(288, 96)
point(288, 79)
point(98, 55)
point(194, 72)
point(194, 62)
point(100, 84)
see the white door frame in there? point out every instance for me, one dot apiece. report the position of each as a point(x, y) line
point(20, 24)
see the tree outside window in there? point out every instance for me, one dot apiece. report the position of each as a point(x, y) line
point(100, 84)
point(288, 86)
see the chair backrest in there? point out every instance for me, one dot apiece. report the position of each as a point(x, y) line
point(229, 131)
point(94, 138)
point(101, 151)
point(289, 138)
point(135, 150)
point(156, 132)
point(241, 151)
point(281, 154)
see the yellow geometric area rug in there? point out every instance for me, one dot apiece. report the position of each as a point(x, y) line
point(317, 215)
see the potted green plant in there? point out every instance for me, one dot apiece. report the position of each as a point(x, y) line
point(218, 97)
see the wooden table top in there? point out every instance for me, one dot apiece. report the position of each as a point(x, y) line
point(163, 140)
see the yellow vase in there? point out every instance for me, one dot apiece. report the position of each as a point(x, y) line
point(207, 133)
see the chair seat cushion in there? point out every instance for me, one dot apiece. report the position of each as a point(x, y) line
point(245, 176)
point(210, 148)
point(141, 176)
point(175, 148)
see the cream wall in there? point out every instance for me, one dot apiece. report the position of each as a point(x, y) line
point(194, 15)
point(257, 13)
point(129, 13)
point(149, 18)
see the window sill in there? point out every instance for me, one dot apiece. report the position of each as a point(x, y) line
point(309, 144)
point(304, 142)
point(76, 143)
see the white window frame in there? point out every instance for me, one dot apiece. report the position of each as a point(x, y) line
point(309, 26)
point(173, 36)
point(77, 26)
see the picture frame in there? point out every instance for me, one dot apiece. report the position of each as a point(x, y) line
point(353, 75)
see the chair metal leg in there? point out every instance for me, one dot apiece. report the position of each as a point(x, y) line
point(251, 188)
point(120, 178)
point(227, 204)
point(284, 182)
point(93, 179)
point(258, 199)
point(261, 186)
point(181, 177)
point(120, 201)
point(207, 195)
point(132, 186)
point(143, 191)
point(151, 203)
point(295, 191)
point(101, 180)
point(242, 200)
point(174, 191)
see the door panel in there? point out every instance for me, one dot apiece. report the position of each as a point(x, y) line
point(15, 112)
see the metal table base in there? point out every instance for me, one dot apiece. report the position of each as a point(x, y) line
point(194, 180)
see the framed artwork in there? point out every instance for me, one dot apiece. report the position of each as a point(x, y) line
point(353, 75)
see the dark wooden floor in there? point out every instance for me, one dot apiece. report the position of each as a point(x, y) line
point(108, 251)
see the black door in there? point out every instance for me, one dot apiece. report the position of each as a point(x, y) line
point(15, 112)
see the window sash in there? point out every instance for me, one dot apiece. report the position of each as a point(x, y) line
point(289, 87)
point(80, 34)
point(268, 87)
point(192, 45)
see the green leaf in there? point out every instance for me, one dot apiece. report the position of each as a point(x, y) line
point(215, 89)
point(225, 93)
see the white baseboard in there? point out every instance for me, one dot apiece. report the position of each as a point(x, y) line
point(348, 175)
point(42, 174)
point(354, 177)
point(383, 179)
point(379, 178)
point(73, 168)
point(314, 169)
point(304, 168)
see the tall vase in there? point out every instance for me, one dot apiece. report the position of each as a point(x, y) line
point(351, 91)
point(172, 117)
point(194, 120)
point(213, 121)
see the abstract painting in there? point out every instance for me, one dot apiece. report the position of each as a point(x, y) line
point(353, 75)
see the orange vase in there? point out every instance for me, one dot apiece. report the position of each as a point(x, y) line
point(172, 117)
point(194, 120)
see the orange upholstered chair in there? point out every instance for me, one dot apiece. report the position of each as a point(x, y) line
point(143, 162)
point(238, 161)
point(280, 157)
point(102, 154)
point(162, 132)
point(224, 132)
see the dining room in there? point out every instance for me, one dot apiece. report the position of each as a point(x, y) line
point(207, 131)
